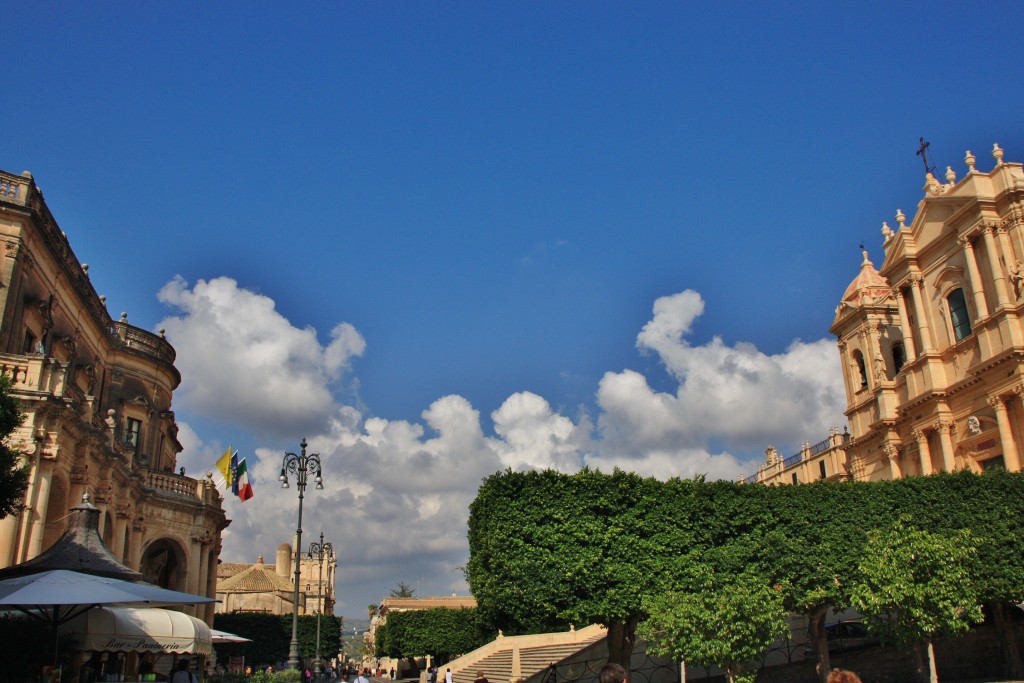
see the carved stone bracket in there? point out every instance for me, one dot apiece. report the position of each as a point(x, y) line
point(139, 524)
point(200, 535)
point(123, 510)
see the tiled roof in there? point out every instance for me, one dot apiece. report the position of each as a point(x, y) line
point(258, 578)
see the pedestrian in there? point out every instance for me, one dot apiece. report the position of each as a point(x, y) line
point(433, 674)
point(480, 678)
point(612, 673)
point(840, 676)
point(392, 673)
point(361, 678)
point(448, 676)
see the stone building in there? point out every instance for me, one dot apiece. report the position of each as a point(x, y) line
point(96, 393)
point(270, 588)
point(932, 342)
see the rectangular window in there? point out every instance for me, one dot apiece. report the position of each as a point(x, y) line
point(958, 314)
point(821, 468)
point(796, 480)
point(996, 463)
point(132, 428)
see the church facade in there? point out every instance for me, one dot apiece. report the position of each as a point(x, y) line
point(96, 394)
point(932, 342)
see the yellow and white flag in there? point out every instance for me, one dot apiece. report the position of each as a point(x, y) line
point(225, 468)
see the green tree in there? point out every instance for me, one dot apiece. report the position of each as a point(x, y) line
point(13, 471)
point(442, 633)
point(271, 636)
point(402, 590)
point(720, 620)
point(915, 585)
point(549, 549)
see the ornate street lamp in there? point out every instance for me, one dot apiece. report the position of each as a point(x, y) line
point(300, 466)
point(318, 551)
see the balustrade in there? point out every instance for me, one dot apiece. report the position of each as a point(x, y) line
point(169, 482)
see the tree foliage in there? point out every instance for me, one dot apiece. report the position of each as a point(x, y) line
point(915, 585)
point(442, 633)
point(402, 590)
point(271, 636)
point(13, 471)
point(550, 549)
point(721, 620)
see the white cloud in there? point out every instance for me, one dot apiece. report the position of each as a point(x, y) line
point(396, 493)
point(243, 362)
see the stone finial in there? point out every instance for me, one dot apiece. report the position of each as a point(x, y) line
point(997, 153)
point(85, 268)
point(163, 333)
point(103, 299)
point(950, 175)
point(887, 232)
point(901, 218)
point(932, 184)
point(970, 160)
point(124, 316)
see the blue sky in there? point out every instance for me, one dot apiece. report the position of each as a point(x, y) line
point(441, 239)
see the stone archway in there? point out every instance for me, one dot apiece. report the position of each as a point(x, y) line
point(165, 564)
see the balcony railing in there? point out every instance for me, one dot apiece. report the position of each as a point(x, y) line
point(149, 343)
point(168, 482)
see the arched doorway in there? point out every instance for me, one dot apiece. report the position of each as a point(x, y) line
point(163, 563)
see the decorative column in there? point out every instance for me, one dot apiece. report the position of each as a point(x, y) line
point(38, 530)
point(924, 452)
point(892, 454)
point(908, 333)
point(1011, 458)
point(1002, 294)
point(945, 430)
point(981, 308)
point(924, 316)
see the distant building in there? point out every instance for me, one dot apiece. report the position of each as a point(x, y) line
point(270, 588)
point(96, 393)
point(932, 343)
point(389, 605)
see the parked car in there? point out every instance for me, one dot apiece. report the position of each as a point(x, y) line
point(844, 636)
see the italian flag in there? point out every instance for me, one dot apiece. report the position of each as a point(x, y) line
point(242, 479)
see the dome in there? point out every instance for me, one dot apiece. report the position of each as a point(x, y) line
point(869, 286)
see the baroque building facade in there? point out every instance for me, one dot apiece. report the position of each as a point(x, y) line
point(932, 342)
point(96, 394)
point(270, 588)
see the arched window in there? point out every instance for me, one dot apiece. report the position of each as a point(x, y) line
point(859, 359)
point(958, 314)
point(899, 355)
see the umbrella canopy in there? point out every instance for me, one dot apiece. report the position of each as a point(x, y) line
point(62, 587)
point(225, 637)
point(125, 629)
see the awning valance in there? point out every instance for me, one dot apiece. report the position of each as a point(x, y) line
point(123, 629)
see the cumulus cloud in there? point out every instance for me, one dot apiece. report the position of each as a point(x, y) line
point(396, 493)
point(244, 363)
point(737, 395)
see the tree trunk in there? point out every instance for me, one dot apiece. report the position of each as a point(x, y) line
point(621, 638)
point(819, 643)
point(920, 663)
point(933, 673)
point(1008, 635)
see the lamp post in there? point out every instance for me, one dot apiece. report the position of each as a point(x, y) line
point(300, 466)
point(317, 551)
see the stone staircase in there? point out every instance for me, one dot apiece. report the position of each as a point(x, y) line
point(511, 659)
